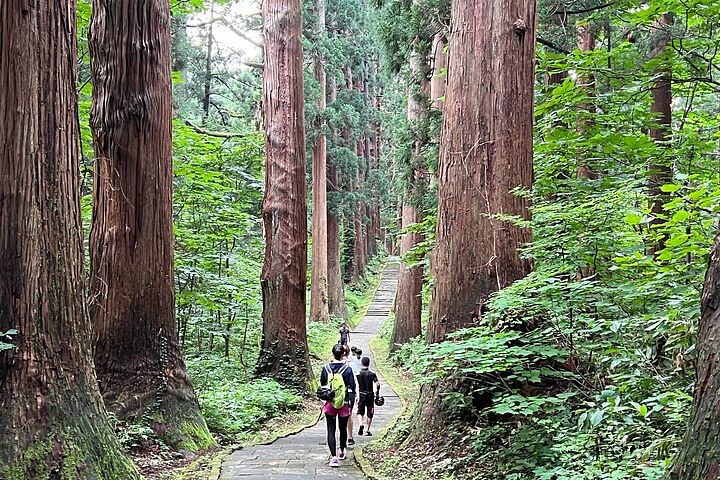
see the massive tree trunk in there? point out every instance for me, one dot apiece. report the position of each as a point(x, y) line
point(132, 298)
point(336, 286)
point(408, 300)
point(284, 350)
point(53, 423)
point(485, 152)
point(319, 310)
point(660, 171)
point(699, 455)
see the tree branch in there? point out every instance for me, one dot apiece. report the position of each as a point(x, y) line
point(549, 44)
point(210, 133)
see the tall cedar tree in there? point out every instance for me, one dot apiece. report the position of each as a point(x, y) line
point(319, 309)
point(661, 92)
point(485, 153)
point(336, 292)
point(132, 303)
point(408, 301)
point(700, 448)
point(284, 350)
point(53, 421)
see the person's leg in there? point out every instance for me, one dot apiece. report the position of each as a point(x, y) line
point(370, 415)
point(361, 416)
point(332, 445)
point(343, 432)
point(350, 427)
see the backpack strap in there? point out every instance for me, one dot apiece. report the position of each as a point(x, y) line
point(329, 373)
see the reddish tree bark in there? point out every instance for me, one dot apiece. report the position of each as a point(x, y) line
point(660, 171)
point(319, 308)
point(408, 300)
point(284, 350)
point(53, 421)
point(132, 293)
point(699, 454)
point(336, 286)
point(485, 153)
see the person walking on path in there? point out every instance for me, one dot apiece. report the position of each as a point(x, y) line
point(344, 334)
point(338, 415)
point(348, 358)
point(367, 383)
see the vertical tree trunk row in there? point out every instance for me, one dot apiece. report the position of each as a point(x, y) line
point(53, 420)
point(336, 287)
point(319, 309)
point(408, 300)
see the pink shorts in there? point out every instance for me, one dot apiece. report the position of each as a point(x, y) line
point(328, 409)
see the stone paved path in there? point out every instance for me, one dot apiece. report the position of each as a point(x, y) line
point(305, 455)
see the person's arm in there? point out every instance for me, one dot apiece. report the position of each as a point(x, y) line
point(323, 376)
point(350, 380)
point(377, 383)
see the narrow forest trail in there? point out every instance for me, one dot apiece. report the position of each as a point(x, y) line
point(305, 455)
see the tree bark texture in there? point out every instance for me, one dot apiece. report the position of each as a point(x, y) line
point(53, 423)
point(284, 349)
point(699, 455)
point(586, 43)
point(485, 153)
point(660, 171)
point(319, 309)
point(408, 300)
point(132, 294)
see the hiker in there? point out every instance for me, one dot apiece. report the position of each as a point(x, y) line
point(338, 376)
point(348, 359)
point(344, 334)
point(367, 383)
point(354, 360)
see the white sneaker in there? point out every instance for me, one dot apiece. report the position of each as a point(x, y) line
point(334, 462)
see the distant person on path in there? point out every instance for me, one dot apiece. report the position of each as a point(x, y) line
point(344, 334)
point(367, 383)
point(333, 414)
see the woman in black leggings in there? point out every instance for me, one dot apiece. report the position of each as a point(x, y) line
point(333, 415)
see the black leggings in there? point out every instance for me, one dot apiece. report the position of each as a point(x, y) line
point(331, 425)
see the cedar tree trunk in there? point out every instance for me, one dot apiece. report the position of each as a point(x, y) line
point(132, 294)
point(699, 455)
point(53, 423)
point(319, 310)
point(284, 349)
point(485, 153)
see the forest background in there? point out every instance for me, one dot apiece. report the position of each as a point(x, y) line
point(582, 369)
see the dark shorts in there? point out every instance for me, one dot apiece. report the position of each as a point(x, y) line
point(366, 402)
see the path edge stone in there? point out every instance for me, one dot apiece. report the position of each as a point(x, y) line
point(217, 462)
point(360, 460)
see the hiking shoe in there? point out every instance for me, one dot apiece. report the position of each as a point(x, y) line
point(342, 455)
point(368, 434)
point(360, 430)
point(334, 462)
point(351, 441)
